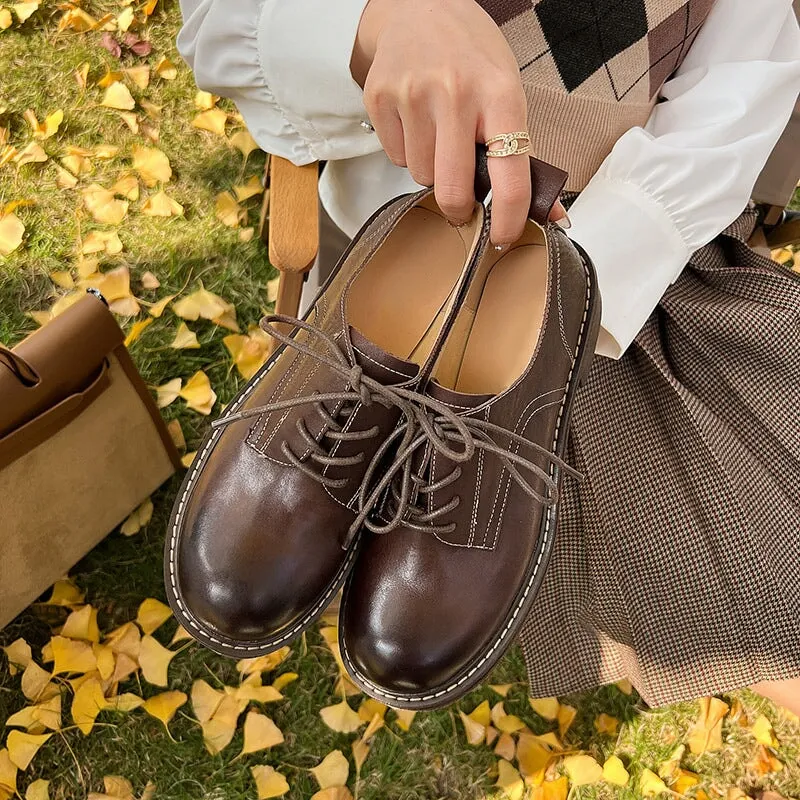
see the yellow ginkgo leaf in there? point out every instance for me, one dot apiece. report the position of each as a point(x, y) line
point(205, 100)
point(157, 309)
point(50, 125)
point(18, 654)
point(185, 339)
point(582, 769)
point(163, 706)
point(116, 788)
point(244, 142)
point(65, 593)
point(260, 732)
point(106, 660)
point(228, 318)
point(333, 793)
point(198, 394)
point(139, 75)
point(545, 707)
point(763, 762)
point(247, 190)
point(138, 519)
point(125, 639)
point(39, 789)
point(125, 703)
point(102, 242)
point(150, 281)
point(614, 772)
point(684, 780)
point(11, 231)
point(509, 781)
point(64, 178)
point(6, 20)
point(219, 730)
point(137, 329)
point(706, 733)
point(181, 635)
point(269, 782)
point(341, 718)
point(151, 164)
point(22, 747)
point(404, 719)
point(501, 688)
point(35, 682)
point(212, 120)
point(118, 96)
point(248, 352)
point(161, 205)
point(650, 784)
point(474, 730)
point(333, 770)
point(506, 747)
point(205, 700)
point(360, 752)
point(762, 730)
point(565, 717)
point(33, 153)
point(166, 69)
point(604, 723)
point(625, 686)
point(284, 680)
point(168, 392)
point(24, 10)
point(70, 655)
point(87, 704)
point(257, 693)
point(154, 660)
point(110, 77)
point(368, 708)
point(82, 624)
point(152, 614)
point(8, 774)
point(200, 303)
point(130, 119)
point(103, 206)
point(228, 211)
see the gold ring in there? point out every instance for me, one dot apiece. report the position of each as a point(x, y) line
point(514, 144)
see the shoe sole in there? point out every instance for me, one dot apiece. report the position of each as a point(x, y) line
point(474, 672)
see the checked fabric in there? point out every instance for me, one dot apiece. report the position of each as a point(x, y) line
point(593, 66)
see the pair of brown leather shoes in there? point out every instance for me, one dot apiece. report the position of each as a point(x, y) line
point(405, 441)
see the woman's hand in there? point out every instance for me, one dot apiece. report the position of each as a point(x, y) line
point(438, 76)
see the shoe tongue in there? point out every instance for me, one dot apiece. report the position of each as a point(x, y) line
point(458, 400)
point(379, 364)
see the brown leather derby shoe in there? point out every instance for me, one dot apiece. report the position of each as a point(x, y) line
point(470, 505)
point(266, 524)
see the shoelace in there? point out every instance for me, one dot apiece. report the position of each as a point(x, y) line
point(424, 421)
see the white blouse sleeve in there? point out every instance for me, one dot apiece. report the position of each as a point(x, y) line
point(286, 65)
point(669, 188)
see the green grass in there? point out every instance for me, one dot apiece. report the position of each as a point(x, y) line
point(432, 760)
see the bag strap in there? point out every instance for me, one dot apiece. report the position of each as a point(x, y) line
point(19, 367)
point(547, 183)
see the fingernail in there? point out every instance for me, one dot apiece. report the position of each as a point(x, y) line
point(564, 223)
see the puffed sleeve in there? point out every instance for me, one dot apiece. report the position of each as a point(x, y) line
point(670, 187)
point(286, 65)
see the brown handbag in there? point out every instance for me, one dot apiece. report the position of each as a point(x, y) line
point(82, 444)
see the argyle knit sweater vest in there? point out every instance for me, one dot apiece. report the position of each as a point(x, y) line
point(592, 69)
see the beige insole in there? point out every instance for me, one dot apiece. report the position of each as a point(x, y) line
point(399, 299)
point(499, 326)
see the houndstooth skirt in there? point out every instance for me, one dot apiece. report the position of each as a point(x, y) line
point(676, 563)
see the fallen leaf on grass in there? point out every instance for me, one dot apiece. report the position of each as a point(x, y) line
point(706, 733)
point(565, 717)
point(35, 682)
point(87, 704)
point(140, 76)
point(6, 20)
point(163, 706)
point(103, 206)
point(341, 718)
point(606, 724)
point(650, 784)
point(138, 518)
point(64, 593)
point(198, 394)
point(157, 309)
point(368, 708)
point(137, 329)
point(168, 392)
point(8, 775)
point(269, 782)
point(166, 69)
point(244, 142)
point(116, 788)
point(154, 659)
point(65, 179)
point(46, 129)
point(11, 231)
point(39, 716)
point(39, 789)
point(70, 655)
point(82, 624)
point(763, 762)
point(360, 750)
point(582, 770)
point(119, 97)
point(152, 614)
point(228, 211)
point(404, 718)
point(150, 281)
point(32, 153)
point(684, 780)
point(102, 241)
point(162, 205)
point(260, 732)
point(18, 654)
point(200, 304)
point(545, 707)
point(509, 780)
point(185, 339)
point(22, 747)
point(333, 770)
point(213, 120)
point(533, 756)
point(333, 793)
point(614, 772)
point(152, 165)
point(763, 733)
point(205, 700)
point(506, 747)
point(205, 100)
point(249, 352)
point(125, 703)
point(250, 189)
point(219, 730)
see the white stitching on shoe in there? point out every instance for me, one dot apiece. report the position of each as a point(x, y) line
point(534, 574)
point(382, 366)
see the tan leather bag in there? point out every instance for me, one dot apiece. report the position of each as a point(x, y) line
point(82, 444)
